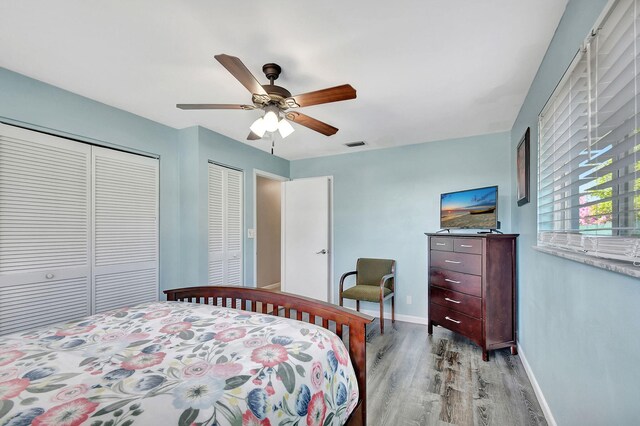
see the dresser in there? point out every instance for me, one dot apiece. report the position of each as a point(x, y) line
point(472, 287)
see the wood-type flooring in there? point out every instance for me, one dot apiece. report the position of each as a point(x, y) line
point(417, 379)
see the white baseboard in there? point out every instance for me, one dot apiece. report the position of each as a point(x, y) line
point(399, 317)
point(536, 388)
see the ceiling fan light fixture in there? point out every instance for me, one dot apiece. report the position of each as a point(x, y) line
point(271, 118)
point(258, 127)
point(285, 128)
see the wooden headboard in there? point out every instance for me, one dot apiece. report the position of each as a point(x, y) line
point(331, 317)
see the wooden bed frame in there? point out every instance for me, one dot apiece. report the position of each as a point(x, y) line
point(331, 317)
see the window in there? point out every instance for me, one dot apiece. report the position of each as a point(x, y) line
point(589, 148)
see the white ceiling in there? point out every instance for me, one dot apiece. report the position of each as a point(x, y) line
point(424, 70)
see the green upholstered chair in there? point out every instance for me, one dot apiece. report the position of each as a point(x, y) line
point(375, 282)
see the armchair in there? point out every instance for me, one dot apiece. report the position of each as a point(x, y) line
point(375, 282)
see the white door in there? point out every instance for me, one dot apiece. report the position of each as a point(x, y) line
point(45, 238)
point(225, 226)
point(125, 229)
point(78, 229)
point(306, 237)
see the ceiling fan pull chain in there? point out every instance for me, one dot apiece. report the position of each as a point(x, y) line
point(273, 142)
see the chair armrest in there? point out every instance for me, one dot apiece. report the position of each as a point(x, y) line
point(345, 275)
point(386, 278)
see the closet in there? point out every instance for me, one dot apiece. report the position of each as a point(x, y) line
point(78, 229)
point(225, 263)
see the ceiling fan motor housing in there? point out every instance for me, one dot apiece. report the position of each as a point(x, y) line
point(272, 71)
point(276, 94)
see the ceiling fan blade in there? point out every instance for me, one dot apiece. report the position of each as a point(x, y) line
point(241, 73)
point(324, 96)
point(215, 106)
point(253, 137)
point(312, 123)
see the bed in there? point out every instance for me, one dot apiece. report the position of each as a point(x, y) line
point(231, 355)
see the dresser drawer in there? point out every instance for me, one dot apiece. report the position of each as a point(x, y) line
point(464, 283)
point(458, 262)
point(467, 245)
point(455, 321)
point(463, 303)
point(442, 243)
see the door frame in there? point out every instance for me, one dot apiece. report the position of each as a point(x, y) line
point(331, 237)
point(261, 173)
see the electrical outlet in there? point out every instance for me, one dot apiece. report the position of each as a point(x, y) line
point(409, 300)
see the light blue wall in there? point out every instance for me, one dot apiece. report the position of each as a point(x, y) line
point(385, 200)
point(190, 234)
point(183, 164)
point(578, 325)
point(223, 150)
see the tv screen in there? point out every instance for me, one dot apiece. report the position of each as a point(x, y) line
point(470, 209)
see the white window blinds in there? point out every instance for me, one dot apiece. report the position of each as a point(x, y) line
point(588, 156)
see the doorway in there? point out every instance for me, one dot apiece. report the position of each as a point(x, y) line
point(268, 232)
point(307, 255)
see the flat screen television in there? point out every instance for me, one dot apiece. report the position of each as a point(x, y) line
point(470, 209)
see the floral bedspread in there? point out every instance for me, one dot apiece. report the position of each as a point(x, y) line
point(173, 363)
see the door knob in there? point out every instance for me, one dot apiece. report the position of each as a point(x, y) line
point(323, 251)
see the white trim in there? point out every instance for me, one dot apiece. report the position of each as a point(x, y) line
point(273, 176)
point(536, 388)
point(332, 289)
point(256, 173)
point(399, 317)
point(75, 137)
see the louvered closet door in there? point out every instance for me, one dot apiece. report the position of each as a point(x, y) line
point(44, 229)
point(233, 231)
point(225, 226)
point(125, 232)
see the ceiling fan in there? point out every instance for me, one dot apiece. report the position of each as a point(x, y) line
point(275, 100)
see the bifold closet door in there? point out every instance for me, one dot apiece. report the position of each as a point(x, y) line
point(45, 238)
point(225, 226)
point(125, 229)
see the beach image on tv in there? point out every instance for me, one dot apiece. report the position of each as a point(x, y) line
point(474, 209)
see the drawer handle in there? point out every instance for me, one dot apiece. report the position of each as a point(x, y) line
point(465, 245)
point(451, 300)
point(452, 320)
point(452, 281)
point(441, 244)
point(452, 261)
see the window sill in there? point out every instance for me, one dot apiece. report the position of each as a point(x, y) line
point(610, 265)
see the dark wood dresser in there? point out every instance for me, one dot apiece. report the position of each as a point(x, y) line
point(472, 287)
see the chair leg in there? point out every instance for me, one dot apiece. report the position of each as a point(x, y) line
point(381, 317)
point(358, 305)
point(393, 309)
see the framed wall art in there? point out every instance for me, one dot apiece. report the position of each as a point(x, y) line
point(523, 169)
